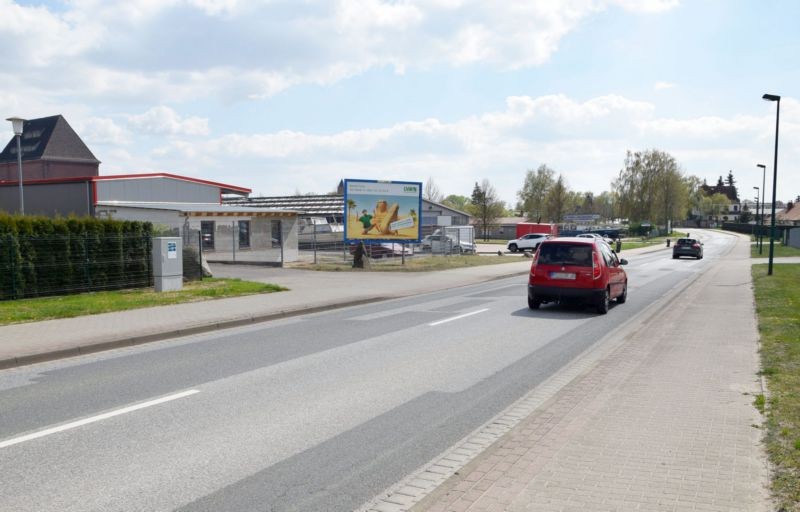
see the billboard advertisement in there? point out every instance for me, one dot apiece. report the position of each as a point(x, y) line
point(382, 210)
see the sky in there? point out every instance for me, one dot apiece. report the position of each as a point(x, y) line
point(291, 96)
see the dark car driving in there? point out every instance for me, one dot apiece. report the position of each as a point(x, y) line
point(687, 247)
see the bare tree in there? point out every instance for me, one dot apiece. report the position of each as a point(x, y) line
point(485, 205)
point(431, 192)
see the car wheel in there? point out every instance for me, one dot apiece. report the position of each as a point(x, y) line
point(512, 247)
point(533, 303)
point(624, 297)
point(603, 305)
point(674, 256)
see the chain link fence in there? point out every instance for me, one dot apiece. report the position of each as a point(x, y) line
point(61, 264)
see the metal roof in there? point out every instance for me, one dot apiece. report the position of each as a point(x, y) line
point(309, 205)
point(207, 209)
point(332, 204)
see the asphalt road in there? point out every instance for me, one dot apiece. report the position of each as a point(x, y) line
point(314, 413)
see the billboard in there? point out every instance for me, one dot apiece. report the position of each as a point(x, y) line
point(382, 210)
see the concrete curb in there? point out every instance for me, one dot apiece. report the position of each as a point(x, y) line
point(184, 331)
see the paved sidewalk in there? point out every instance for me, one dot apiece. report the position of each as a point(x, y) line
point(665, 422)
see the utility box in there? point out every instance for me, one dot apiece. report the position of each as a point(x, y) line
point(167, 263)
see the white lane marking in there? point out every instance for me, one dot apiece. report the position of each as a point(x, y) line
point(434, 324)
point(99, 417)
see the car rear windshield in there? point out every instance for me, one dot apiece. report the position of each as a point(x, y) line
point(686, 241)
point(578, 255)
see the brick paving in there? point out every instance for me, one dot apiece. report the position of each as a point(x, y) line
point(664, 423)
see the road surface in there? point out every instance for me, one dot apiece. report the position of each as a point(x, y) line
point(314, 413)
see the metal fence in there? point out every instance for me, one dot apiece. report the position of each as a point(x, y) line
point(61, 264)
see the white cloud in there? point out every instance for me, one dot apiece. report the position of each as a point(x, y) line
point(163, 120)
point(179, 50)
point(98, 130)
point(586, 140)
point(660, 86)
point(651, 6)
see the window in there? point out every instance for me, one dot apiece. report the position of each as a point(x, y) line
point(244, 234)
point(207, 230)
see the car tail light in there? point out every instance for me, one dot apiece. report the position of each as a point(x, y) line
point(696, 246)
point(597, 271)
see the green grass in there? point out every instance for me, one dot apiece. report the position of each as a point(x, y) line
point(415, 264)
point(779, 250)
point(637, 243)
point(67, 306)
point(778, 308)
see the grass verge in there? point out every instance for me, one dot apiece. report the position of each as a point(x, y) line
point(415, 264)
point(779, 250)
point(636, 243)
point(778, 308)
point(67, 306)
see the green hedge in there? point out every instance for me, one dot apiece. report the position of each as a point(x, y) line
point(42, 256)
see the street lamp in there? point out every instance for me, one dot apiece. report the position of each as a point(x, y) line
point(773, 97)
point(16, 125)
point(758, 190)
point(761, 221)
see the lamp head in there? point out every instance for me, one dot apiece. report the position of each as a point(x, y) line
point(16, 124)
point(762, 166)
point(771, 97)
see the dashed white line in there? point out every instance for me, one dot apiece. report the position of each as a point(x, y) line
point(99, 417)
point(459, 317)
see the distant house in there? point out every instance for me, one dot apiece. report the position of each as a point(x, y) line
point(790, 216)
point(503, 228)
point(734, 209)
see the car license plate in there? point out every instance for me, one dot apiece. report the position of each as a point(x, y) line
point(562, 275)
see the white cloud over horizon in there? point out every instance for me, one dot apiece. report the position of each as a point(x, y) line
point(219, 89)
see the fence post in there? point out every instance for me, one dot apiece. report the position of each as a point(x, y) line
point(233, 239)
point(87, 275)
point(200, 251)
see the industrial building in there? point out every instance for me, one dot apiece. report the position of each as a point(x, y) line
point(61, 177)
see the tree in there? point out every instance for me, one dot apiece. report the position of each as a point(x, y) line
point(485, 205)
point(729, 180)
point(431, 192)
point(351, 205)
point(558, 200)
point(651, 187)
point(531, 197)
point(715, 205)
point(745, 217)
point(455, 201)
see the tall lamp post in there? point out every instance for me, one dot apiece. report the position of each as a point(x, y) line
point(758, 190)
point(776, 98)
point(16, 125)
point(761, 222)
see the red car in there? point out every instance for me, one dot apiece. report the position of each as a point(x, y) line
point(577, 269)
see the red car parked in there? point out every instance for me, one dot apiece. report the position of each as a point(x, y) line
point(577, 269)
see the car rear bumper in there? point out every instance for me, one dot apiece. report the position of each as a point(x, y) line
point(685, 252)
point(556, 294)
